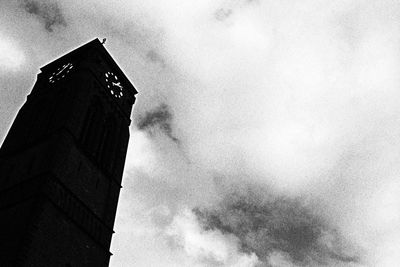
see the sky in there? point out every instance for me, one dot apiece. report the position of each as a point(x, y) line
point(265, 133)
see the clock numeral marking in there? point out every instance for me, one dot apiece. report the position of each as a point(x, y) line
point(113, 84)
point(60, 73)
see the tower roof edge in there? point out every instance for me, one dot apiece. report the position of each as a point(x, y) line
point(81, 51)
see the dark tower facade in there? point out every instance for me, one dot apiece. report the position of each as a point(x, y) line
point(62, 161)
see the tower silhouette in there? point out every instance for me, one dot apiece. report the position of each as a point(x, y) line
point(62, 161)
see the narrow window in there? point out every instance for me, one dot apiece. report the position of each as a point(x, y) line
point(110, 143)
point(93, 128)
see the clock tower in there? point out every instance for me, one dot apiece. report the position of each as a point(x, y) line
point(62, 161)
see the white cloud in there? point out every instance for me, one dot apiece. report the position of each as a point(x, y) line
point(210, 246)
point(12, 57)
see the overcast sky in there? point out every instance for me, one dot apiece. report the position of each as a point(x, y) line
point(265, 133)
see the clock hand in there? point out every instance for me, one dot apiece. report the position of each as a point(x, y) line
point(118, 84)
point(63, 68)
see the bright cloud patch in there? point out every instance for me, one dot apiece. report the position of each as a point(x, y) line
point(211, 247)
point(11, 57)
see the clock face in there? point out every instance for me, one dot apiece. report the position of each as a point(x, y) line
point(113, 84)
point(61, 72)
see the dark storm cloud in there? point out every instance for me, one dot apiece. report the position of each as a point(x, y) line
point(159, 118)
point(266, 225)
point(47, 12)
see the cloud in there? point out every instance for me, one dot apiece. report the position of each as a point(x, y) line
point(48, 12)
point(157, 119)
point(269, 226)
point(11, 55)
point(300, 100)
point(211, 247)
point(228, 8)
point(222, 14)
point(155, 57)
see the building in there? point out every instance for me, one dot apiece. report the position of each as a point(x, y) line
point(62, 161)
